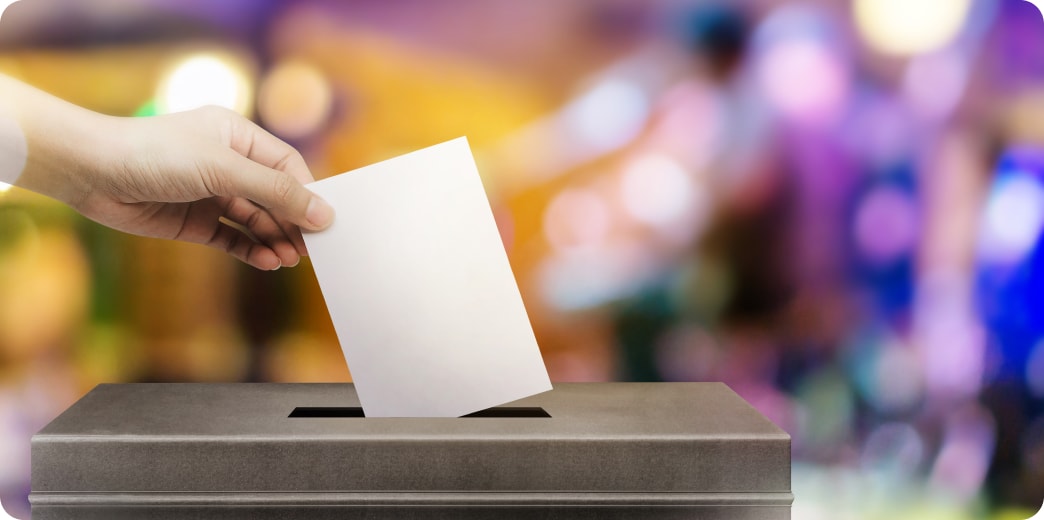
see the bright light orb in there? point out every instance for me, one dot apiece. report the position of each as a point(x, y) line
point(295, 99)
point(804, 80)
point(656, 190)
point(800, 66)
point(910, 27)
point(1013, 219)
point(202, 80)
point(609, 115)
point(5, 187)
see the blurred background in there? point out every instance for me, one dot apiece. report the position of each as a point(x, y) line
point(834, 207)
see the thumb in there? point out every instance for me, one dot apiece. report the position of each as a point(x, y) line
point(277, 191)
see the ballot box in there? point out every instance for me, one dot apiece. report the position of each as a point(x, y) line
point(305, 451)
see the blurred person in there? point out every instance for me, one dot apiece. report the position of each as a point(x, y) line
point(207, 176)
point(710, 121)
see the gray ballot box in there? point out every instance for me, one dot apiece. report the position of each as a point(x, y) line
point(304, 451)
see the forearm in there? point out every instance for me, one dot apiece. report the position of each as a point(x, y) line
point(182, 176)
point(47, 145)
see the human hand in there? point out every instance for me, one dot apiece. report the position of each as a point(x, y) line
point(207, 176)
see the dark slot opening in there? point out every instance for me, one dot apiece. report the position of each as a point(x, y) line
point(500, 412)
point(326, 411)
point(508, 412)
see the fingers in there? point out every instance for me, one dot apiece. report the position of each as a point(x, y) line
point(277, 191)
point(255, 143)
point(265, 228)
point(239, 245)
point(208, 223)
point(280, 187)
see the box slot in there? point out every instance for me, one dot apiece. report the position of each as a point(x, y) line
point(498, 412)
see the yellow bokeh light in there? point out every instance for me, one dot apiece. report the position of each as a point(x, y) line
point(5, 187)
point(295, 99)
point(205, 79)
point(910, 27)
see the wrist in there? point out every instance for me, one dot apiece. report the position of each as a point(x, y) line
point(64, 144)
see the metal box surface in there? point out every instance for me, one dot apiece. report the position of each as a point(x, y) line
point(608, 450)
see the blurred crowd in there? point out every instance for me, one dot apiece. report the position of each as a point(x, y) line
point(834, 207)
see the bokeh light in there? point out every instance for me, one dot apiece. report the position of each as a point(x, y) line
point(886, 225)
point(964, 457)
point(895, 447)
point(799, 68)
point(784, 74)
point(5, 187)
point(902, 27)
point(934, 84)
point(608, 115)
point(205, 79)
point(1013, 218)
point(949, 340)
point(891, 378)
point(577, 218)
point(46, 280)
point(656, 190)
point(295, 99)
point(587, 277)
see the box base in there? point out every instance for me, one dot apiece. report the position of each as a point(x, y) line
point(629, 451)
point(414, 506)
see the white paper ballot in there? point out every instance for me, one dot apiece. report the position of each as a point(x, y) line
point(419, 287)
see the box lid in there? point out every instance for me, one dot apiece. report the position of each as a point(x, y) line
point(600, 437)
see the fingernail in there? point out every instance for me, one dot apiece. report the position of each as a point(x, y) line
point(319, 213)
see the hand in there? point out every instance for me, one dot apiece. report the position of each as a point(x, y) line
point(207, 176)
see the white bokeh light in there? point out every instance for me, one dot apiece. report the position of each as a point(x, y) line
point(656, 190)
point(609, 115)
point(204, 80)
point(910, 27)
point(1013, 219)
